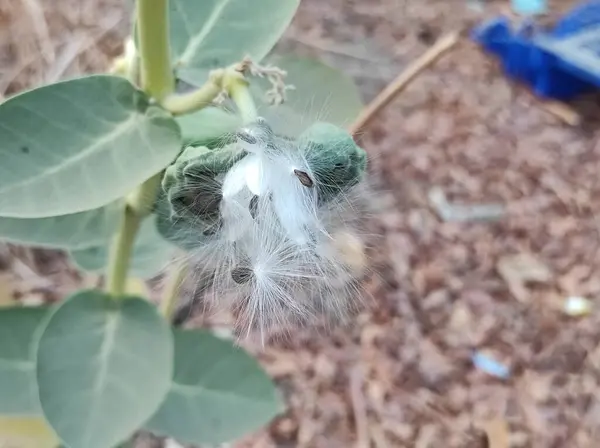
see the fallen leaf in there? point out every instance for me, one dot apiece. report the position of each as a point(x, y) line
point(521, 269)
point(497, 433)
point(433, 364)
point(426, 437)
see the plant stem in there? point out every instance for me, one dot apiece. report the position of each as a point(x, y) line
point(230, 79)
point(179, 104)
point(127, 65)
point(157, 80)
point(142, 199)
point(153, 40)
point(133, 62)
point(176, 277)
point(237, 87)
point(120, 252)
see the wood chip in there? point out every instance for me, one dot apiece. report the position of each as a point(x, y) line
point(497, 433)
point(519, 270)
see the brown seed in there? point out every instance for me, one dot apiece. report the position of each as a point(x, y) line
point(245, 136)
point(241, 275)
point(253, 206)
point(304, 178)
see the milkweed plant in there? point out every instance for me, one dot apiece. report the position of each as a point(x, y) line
point(202, 154)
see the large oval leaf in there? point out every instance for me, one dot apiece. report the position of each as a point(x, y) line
point(74, 231)
point(219, 392)
point(321, 93)
point(104, 366)
point(215, 33)
point(19, 331)
point(78, 145)
point(151, 253)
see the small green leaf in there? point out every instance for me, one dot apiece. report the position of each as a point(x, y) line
point(74, 231)
point(208, 127)
point(78, 145)
point(321, 93)
point(151, 253)
point(219, 392)
point(104, 365)
point(19, 328)
point(210, 34)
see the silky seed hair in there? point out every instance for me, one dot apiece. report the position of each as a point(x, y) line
point(277, 255)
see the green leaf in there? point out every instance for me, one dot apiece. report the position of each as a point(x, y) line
point(74, 231)
point(210, 34)
point(19, 329)
point(151, 253)
point(321, 93)
point(219, 392)
point(78, 145)
point(104, 365)
point(208, 127)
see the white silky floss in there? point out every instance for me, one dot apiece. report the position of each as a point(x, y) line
point(276, 250)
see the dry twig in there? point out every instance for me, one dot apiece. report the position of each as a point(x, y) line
point(442, 46)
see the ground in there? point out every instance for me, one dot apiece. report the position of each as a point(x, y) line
point(402, 374)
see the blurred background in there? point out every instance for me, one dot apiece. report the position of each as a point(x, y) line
point(479, 329)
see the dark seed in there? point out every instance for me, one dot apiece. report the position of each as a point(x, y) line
point(253, 206)
point(304, 178)
point(244, 136)
point(25, 149)
point(241, 275)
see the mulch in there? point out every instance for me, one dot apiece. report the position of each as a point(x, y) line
point(402, 373)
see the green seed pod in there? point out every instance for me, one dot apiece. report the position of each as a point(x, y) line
point(337, 161)
point(189, 207)
point(192, 183)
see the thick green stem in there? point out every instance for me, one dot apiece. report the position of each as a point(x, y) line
point(142, 199)
point(237, 87)
point(179, 104)
point(153, 42)
point(120, 252)
point(157, 80)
